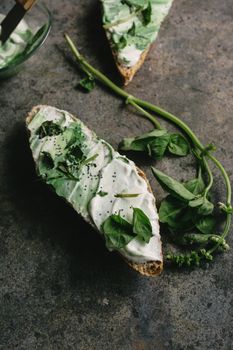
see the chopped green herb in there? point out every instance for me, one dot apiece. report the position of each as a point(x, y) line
point(49, 128)
point(146, 14)
point(87, 83)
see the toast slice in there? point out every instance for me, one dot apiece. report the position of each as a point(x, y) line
point(77, 164)
point(131, 26)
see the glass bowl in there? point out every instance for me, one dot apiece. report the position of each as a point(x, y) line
point(38, 16)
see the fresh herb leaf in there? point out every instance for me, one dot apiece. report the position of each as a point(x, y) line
point(117, 231)
point(173, 186)
point(141, 225)
point(46, 163)
point(170, 209)
point(197, 202)
point(156, 143)
point(206, 208)
point(157, 147)
point(87, 83)
point(102, 193)
point(196, 186)
point(89, 160)
point(121, 44)
point(74, 154)
point(49, 128)
point(132, 30)
point(178, 145)
point(140, 143)
point(206, 224)
point(146, 14)
point(176, 214)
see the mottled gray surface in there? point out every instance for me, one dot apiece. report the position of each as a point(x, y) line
point(59, 287)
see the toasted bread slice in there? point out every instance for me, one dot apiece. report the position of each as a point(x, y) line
point(131, 26)
point(148, 268)
point(128, 73)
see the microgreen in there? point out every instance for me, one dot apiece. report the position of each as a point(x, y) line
point(190, 198)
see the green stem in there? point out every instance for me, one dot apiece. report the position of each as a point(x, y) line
point(145, 113)
point(137, 103)
point(211, 179)
point(225, 176)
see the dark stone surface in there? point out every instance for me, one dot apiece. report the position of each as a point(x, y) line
point(59, 287)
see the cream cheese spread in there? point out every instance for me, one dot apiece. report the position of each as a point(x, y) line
point(16, 44)
point(129, 34)
point(55, 138)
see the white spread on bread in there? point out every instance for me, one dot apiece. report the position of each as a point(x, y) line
point(107, 172)
point(123, 22)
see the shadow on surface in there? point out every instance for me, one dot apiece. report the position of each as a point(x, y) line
point(100, 48)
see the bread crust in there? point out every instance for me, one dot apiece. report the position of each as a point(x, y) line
point(150, 268)
point(128, 73)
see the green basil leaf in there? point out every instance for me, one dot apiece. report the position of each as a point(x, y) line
point(170, 209)
point(141, 225)
point(140, 143)
point(196, 186)
point(45, 164)
point(175, 213)
point(157, 147)
point(197, 202)
point(49, 128)
point(206, 208)
point(121, 44)
point(152, 134)
point(130, 144)
point(146, 14)
point(117, 231)
point(172, 186)
point(88, 84)
point(206, 224)
point(74, 154)
point(178, 145)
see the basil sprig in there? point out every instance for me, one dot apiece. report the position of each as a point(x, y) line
point(157, 143)
point(197, 199)
point(118, 232)
point(188, 214)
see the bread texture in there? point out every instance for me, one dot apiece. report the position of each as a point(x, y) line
point(128, 73)
point(150, 268)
